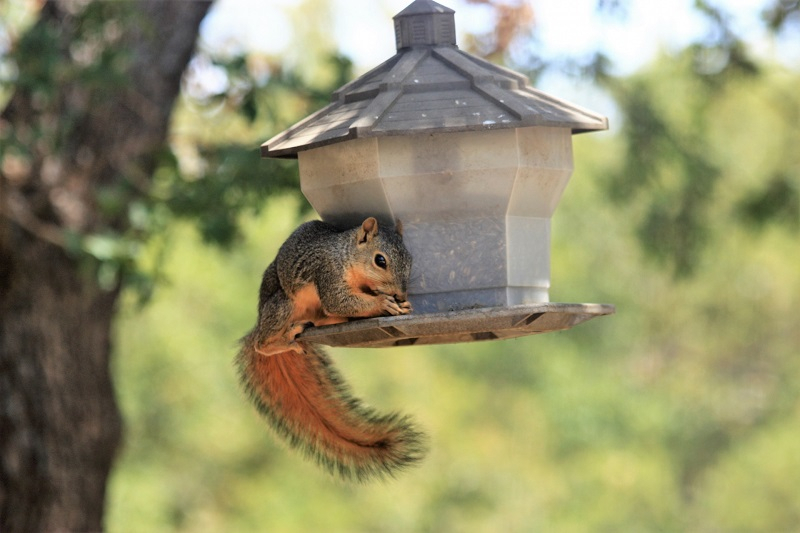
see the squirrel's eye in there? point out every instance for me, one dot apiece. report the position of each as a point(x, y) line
point(380, 261)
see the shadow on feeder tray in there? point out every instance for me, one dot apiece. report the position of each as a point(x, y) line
point(488, 323)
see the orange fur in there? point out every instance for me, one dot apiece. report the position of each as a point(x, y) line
point(306, 304)
point(358, 279)
point(305, 397)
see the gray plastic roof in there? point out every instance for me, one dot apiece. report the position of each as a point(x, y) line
point(430, 86)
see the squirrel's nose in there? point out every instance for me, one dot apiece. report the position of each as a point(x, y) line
point(400, 297)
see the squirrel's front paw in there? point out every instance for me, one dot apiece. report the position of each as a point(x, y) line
point(390, 306)
point(405, 306)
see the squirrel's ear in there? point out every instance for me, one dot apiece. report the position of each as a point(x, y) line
point(398, 227)
point(368, 229)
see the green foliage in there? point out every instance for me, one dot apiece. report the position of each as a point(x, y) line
point(779, 201)
point(63, 69)
point(211, 174)
point(230, 178)
point(665, 152)
point(70, 66)
point(237, 180)
point(780, 13)
point(225, 177)
point(682, 131)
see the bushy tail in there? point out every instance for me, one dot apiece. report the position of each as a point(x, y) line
point(306, 401)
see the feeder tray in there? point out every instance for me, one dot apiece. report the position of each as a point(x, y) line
point(483, 324)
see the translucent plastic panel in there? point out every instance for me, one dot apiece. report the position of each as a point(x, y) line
point(463, 193)
point(528, 252)
point(408, 155)
point(349, 204)
point(343, 162)
point(537, 191)
point(457, 254)
point(545, 147)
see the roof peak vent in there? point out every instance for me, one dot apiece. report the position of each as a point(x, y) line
point(424, 23)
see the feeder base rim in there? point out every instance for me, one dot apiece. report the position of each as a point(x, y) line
point(467, 325)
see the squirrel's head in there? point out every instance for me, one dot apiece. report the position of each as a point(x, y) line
point(389, 261)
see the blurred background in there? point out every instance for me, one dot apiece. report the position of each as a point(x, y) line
point(679, 413)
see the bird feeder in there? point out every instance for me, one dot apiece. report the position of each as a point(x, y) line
point(471, 159)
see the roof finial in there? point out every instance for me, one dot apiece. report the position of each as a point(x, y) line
point(425, 23)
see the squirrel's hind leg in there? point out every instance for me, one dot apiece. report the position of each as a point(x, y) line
point(274, 332)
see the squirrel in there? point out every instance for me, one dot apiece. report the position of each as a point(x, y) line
point(325, 276)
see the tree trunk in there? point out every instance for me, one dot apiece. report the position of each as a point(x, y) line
point(62, 142)
point(60, 423)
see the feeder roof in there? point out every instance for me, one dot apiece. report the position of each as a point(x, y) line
point(430, 86)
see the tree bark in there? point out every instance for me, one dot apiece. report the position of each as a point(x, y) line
point(60, 423)
point(63, 141)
